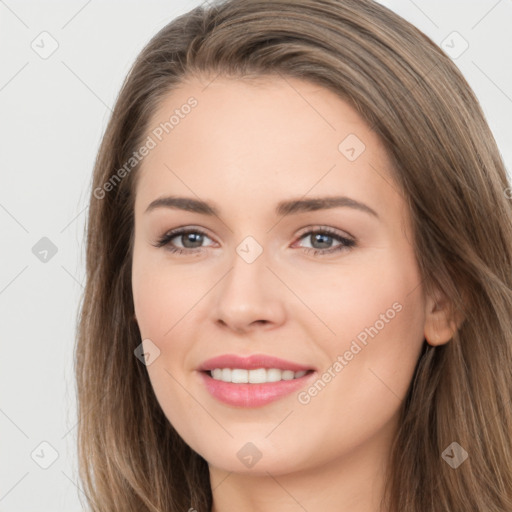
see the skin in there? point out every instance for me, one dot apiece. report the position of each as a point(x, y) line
point(245, 147)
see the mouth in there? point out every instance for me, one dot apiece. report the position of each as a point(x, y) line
point(249, 395)
point(252, 381)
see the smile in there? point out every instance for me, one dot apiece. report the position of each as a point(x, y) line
point(255, 394)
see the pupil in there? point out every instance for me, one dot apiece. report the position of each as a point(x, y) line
point(320, 236)
point(189, 237)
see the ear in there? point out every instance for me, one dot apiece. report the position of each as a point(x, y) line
point(441, 320)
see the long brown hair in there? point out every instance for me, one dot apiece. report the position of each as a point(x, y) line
point(448, 165)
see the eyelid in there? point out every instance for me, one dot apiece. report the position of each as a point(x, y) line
point(346, 243)
point(163, 240)
point(329, 229)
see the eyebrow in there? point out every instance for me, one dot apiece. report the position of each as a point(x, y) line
point(283, 208)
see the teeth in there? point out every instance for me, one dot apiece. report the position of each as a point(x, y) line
point(258, 376)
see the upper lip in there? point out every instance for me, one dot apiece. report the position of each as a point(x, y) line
point(251, 362)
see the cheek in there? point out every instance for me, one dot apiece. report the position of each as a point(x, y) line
point(373, 302)
point(162, 299)
point(370, 361)
point(353, 296)
point(377, 315)
point(163, 296)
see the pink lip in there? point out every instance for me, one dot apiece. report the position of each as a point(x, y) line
point(251, 362)
point(252, 395)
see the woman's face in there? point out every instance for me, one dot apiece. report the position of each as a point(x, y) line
point(297, 246)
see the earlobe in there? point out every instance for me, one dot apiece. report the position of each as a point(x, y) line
point(441, 322)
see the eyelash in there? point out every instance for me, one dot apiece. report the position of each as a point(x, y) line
point(345, 245)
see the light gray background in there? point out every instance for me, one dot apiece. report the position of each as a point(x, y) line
point(53, 113)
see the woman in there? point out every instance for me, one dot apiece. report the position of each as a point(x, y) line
point(299, 266)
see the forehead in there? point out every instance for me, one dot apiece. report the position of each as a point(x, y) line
point(279, 111)
point(272, 136)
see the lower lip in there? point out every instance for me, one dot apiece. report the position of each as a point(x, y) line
point(252, 395)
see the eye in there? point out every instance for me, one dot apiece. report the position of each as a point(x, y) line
point(191, 239)
point(321, 241)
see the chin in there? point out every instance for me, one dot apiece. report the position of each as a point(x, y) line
point(257, 458)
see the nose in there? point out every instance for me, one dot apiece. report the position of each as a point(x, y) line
point(249, 297)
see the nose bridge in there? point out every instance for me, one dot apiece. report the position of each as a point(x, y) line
point(248, 269)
